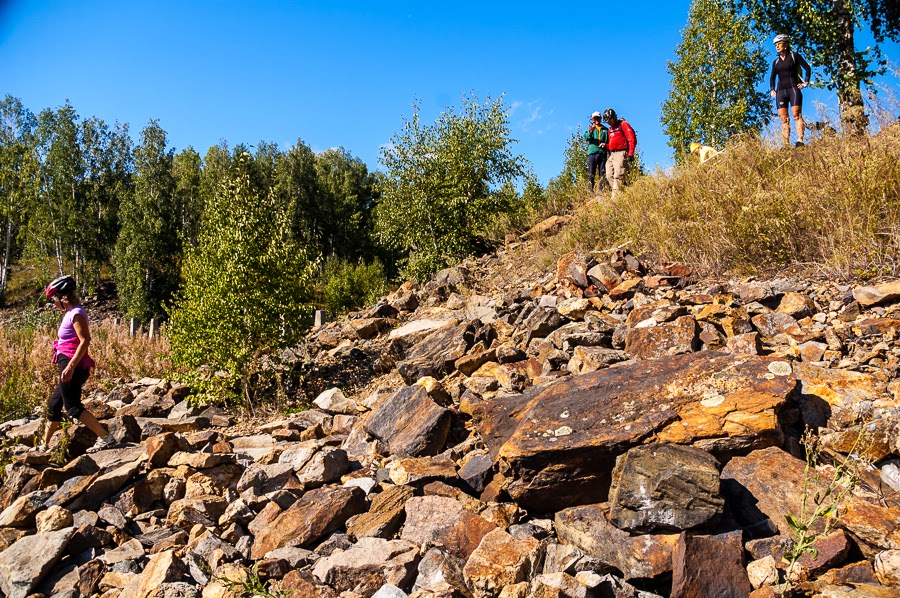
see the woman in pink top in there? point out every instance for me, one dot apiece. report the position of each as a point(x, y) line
point(71, 353)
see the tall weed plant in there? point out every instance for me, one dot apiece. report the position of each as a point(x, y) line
point(833, 205)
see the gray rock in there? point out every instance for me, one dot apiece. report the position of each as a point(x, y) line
point(328, 465)
point(178, 589)
point(440, 574)
point(368, 565)
point(24, 564)
point(665, 488)
point(410, 422)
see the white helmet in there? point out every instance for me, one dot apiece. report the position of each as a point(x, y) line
point(782, 38)
point(595, 114)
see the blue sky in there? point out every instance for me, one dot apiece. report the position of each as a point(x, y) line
point(343, 73)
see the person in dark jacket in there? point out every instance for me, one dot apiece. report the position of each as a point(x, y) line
point(789, 68)
point(597, 137)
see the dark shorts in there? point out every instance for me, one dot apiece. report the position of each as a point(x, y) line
point(792, 97)
point(67, 395)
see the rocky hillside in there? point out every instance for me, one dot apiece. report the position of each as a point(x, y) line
point(606, 429)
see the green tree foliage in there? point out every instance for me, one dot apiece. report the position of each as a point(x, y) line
point(348, 286)
point(824, 30)
point(54, 220)
point(242, 283)
point(18, 180)
point(436, 198)
point(187, 172)
point(715, 80)
point(345, 192)
point(148, 249)
point(108, 161)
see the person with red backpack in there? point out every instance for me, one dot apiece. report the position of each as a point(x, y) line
point(621, 145)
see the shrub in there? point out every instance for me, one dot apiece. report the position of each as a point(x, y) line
point(347, 286)
point(243, 283)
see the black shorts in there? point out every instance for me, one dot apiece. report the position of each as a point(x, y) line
point(785, 97)
point(67, 395)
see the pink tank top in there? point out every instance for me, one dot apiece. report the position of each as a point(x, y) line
point(68, 339)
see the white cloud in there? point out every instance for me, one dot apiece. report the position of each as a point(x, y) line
point(533, 118)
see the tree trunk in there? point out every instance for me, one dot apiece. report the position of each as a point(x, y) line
point(4, 268)
point(849, 91)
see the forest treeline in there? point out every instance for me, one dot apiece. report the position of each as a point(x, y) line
point(82, 192)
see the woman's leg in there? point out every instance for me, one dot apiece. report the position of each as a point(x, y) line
point(785, 126)
point(798, 120)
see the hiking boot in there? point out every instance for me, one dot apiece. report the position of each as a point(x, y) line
point(103, 443)
point(799, 144)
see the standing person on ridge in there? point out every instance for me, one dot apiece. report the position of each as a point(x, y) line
point(621, 146)
point(71, 353)
point(789, 67)
point(597, 138)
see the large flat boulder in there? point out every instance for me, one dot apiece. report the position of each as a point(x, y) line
point(560, 441)
point(24, 564)
point(318, 512)
point(410, 422)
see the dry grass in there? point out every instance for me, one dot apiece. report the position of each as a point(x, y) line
point(27, 376)
point(832, 206)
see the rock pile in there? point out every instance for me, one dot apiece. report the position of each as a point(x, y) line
point(611, 430)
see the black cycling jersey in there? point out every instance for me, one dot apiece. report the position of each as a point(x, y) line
point(788, 71)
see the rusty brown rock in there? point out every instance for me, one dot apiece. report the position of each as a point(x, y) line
point(410, 422)
point(560, 441)
point(861, 572)
point(797, 305)
point(366, 328)
point(161, 447)
point(316, 513)
point(588, 528)
point(744, 344)
point(443, 522)
point(299, 587)
point(709, 566)
point(574, 266)
point(888, 292)
point(831, 551)
point(874, 527)
point(764, 486)
point(626, 288)
point(876, 326)
point(591, 359)
point(436, 354)
point(468, 364)
point(665, 339)
point(772, 324)
point(604, 275)
point(499, 561)
point(368, 565)
point(384, 516)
